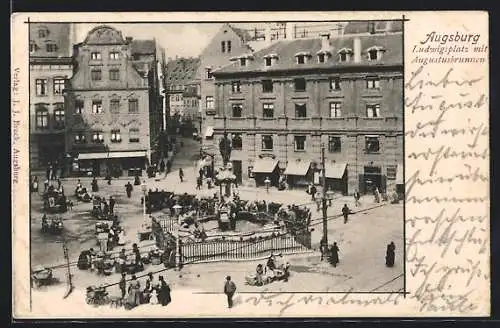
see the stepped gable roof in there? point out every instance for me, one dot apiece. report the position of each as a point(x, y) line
point(143, 47)
point(286, 50)
point(380, 26)
point(182, 70)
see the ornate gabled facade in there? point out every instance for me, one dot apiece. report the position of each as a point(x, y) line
point(113, 106)
point(284, 103)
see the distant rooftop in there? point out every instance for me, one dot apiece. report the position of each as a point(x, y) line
point(181, 71)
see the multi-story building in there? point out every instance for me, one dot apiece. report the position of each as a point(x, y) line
point(283, 104)
point(191, 98)
point(114, 107)
point(226, 44)
point(51, 66)
point(181, 72)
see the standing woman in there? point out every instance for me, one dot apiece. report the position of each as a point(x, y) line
point(390, 255)
point(334, 255)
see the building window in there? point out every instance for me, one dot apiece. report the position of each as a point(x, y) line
point(236, 87)
point(391, 172)
point(96, 75)
point(95, 56)
point(59, 86)
point(97, 107)
point(237, 110)
point(33, 46)
point(133, 135)
point(97, 138)
point(335, 109)
point(116, 136)
point(237, 141)
point(114, 75)
point(210, 102)
point(228, 46)
point(51, 47)
point(268, 110)
point(373, 110)
point(43, 32)
point(114, 55)
point(300, 110)
point(372, 144)
point(267, 86)
point(209, 73)
point(223, 46)
point(243, 61)
point(375, 53)
point(321, 58)
point(334, 83)
point(42, 117)
point(299, 143)
point(41, 87)
point(114, 106)
point(267, 142)
point(79, 106)
point(334, 144)
point(372, 83)
point(301, 59)
point(268, 61)
point(59, 116)
point(133, 106)
point(300, 84)
point(345, 55)
point(80, 138)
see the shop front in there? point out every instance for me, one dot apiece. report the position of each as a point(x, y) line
point(265, 168)
point(336, 177)
point(298, 174)
point(126, 163)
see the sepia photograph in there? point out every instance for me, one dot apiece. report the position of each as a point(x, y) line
point(264, 156)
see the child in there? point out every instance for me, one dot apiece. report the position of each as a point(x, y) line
point(153, 298)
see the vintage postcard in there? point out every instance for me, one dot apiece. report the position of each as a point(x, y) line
point(212, 165)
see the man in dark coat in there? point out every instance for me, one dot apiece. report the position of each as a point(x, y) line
point(181, 175)
point(390, 255)
point(345, 213)
point(123, 284)
point(229, 290)
point(112, 203)
point(128, 189)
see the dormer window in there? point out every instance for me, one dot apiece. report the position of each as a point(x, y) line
point(270, 59)
point(375, 53)
point(323, 56)
point(243, 62)
point(243, 59)
point(345, 55)
point(43, 32)
point(302, 57)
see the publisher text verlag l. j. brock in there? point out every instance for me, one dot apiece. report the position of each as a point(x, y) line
point(15, 151)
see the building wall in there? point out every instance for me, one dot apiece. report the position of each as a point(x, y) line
point(212, 56)
point(47, 144)
point(352, 127)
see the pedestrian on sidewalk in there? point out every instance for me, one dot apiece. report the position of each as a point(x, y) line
point(112, 203)
point(199, 182)
point(334, 255)
point(181, 175)
point(229, 290)
point(390, 255)
point(123, 285)
point(345, 212)
point(357, 197)
point(128, 189)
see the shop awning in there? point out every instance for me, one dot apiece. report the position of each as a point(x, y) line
point(264, 165)
point(399, 174)
point(115, 154)
point(335, 170)
point(297, 168)
point(209, 132)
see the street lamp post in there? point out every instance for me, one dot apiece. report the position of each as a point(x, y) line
point(177, 209)
point(144, 190)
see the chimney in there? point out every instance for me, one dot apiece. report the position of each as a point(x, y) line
point(357, 50)
point(325, 41)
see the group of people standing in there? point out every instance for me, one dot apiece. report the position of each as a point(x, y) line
point(154, 292)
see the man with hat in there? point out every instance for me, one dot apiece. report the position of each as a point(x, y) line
point(229, 290)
